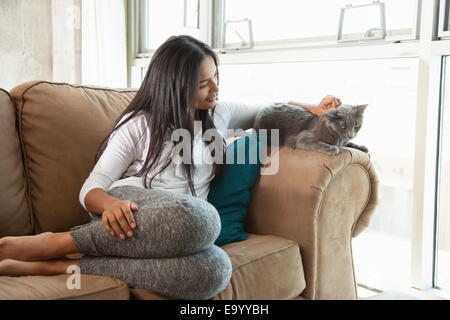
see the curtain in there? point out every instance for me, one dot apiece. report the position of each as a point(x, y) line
point(104, 43)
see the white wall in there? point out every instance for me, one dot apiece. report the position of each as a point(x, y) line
point(38, 41)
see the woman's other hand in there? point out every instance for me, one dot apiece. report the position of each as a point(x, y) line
point(118, 219)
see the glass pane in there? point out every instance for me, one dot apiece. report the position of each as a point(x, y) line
point(446, 5)
point(161, 19)
point(288, 19)
point(191, 14)
point(238, 32)
point(443, 254)
point(359, 20)
point(382, 253)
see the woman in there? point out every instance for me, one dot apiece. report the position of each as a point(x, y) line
point(159, 238)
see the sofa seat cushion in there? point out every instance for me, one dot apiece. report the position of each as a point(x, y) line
point(265, 267)
point(55, 288)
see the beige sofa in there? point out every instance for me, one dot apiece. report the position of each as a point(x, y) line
point(300, 223)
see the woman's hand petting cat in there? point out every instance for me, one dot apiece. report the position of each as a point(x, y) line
point(328, 103)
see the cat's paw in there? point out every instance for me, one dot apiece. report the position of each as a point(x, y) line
point(292, 143)
point(332, 150)
point(361, 148)
point(357, 146)
point(364, 149)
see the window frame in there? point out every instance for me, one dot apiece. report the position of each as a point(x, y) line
point(325, 40)
point(381, 8)
point(142, 10)
point(137, 61)
point(442, 14)
point(427, 45)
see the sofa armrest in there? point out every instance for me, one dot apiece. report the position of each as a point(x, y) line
point(320, 201)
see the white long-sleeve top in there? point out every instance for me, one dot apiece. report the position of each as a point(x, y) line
point(127, 150)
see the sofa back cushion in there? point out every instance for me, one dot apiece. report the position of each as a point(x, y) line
point(61, 127)
point(15, 216)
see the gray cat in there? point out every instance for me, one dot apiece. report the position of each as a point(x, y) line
point(300, 129)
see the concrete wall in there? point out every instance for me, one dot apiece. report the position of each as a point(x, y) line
point(66, 18)
point(39, 40)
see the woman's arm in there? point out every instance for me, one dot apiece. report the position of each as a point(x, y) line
point(242, 115)
point(113, 163)
point(328, 103)
point(122, 149)
point(97, 200)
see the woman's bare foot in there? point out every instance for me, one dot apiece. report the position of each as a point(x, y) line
point(43, 246)
point(15, 268)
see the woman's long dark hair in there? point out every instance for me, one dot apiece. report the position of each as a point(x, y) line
point(168, 96)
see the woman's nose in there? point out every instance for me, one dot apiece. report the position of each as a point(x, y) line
point(215, 87)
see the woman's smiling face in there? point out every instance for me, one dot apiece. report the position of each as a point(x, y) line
point(208, 88)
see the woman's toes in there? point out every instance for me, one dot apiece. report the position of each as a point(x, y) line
point(9, 267)
point(15, 268)
point(24, 248)
point(3, 248)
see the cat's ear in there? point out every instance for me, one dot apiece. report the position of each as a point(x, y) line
point(360, 108)
point(332, 114)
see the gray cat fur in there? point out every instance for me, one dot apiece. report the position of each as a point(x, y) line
point(300, 129)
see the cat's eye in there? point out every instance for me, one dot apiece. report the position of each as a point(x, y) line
point(342, 125)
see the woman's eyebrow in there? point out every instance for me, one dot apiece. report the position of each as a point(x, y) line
point(208, 78)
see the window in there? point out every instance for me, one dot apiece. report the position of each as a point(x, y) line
point(151, 22)
point(443, 234)
point(161, 19)
point(287, 20)
point(382, 254)
point(444, 18)
point(398, 76)
point(362, 22)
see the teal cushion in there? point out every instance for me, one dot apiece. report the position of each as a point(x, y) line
point(231, 195)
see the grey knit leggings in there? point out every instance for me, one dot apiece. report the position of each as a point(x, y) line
point(171, 252)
